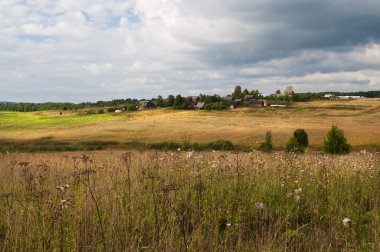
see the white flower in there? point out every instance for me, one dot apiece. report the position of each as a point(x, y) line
point(179, 149)
point(189, 155)
point(228, 225)
point(297, 197)
point(347, 222)
point(61, 188)
point(298, 190)
point(260, 206)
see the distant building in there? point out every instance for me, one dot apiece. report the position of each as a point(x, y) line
point(191, 104)
point(200, 105)
point(346, 97)
point(248, 97)
point(228, 98)
point(257, 103)
point(143, 104)
point(118, 111)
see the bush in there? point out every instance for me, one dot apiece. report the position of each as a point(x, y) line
point(165, 146)
point(100, 111)
point(221, 145)
point(131, 107)
point(111, 110)
point(301, 136)
point(266, 146)
point(335, 142)
point(294, 146)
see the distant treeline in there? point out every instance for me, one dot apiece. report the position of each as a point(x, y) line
point(212, 102)
point(27, 107)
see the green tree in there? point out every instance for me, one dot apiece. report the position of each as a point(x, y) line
point(171, 100)
point(267, 146)
point(335, 142)
point(178, 102)
point(237, 92)
point(245, 92)
point(302, 137)
point(256, 94)
point(160, 101)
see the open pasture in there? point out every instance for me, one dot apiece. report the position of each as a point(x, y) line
point(360, 120)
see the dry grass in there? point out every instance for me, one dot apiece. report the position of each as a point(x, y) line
point(179, 201)
point(360, 119)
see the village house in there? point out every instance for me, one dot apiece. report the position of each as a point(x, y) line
point(257, 103)
point(199, 105)
point(143, 104)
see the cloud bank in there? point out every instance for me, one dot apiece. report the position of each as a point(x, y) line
point(87, 50)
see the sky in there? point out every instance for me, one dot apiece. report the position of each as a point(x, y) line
point(89, 50)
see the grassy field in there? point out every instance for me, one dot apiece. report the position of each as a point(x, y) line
point(185, 201)
point(360, 120)
point(142, 200)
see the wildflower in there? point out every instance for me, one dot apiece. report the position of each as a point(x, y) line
point(347, 222)
point(298, 190)
point(179, 149)
point(61, 188)
point(189, 154)
point(228, 224)
point(297, 198)
point(260, 206)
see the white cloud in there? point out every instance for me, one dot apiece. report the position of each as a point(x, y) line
point(145, 48)
point(97, 69)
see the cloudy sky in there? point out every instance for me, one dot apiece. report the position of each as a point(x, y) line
point(88, 50)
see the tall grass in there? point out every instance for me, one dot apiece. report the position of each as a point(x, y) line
point(189, 201)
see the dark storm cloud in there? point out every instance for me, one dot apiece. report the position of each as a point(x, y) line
point(293, 26)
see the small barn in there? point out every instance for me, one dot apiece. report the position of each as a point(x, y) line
point(257, 103)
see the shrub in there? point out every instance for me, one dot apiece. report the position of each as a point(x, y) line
point(294, 146)
point(335, 142)
point(131, 107)
point(221, 145)
point(100, 111)
point(165, 146)
point(111, 110)
point(301, 136)
point(266, 146)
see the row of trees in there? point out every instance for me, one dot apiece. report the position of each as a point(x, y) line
point(180, 102)
point(335, 142)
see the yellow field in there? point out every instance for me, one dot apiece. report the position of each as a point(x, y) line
point(360, 120)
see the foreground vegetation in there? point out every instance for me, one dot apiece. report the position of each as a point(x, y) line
point(195, 201)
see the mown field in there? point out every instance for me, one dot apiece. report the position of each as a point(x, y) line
point(360, 120)
point(189, 201)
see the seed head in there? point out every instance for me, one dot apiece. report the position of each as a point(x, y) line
point(298, 190)
point(347, 222)
point(260, 206)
